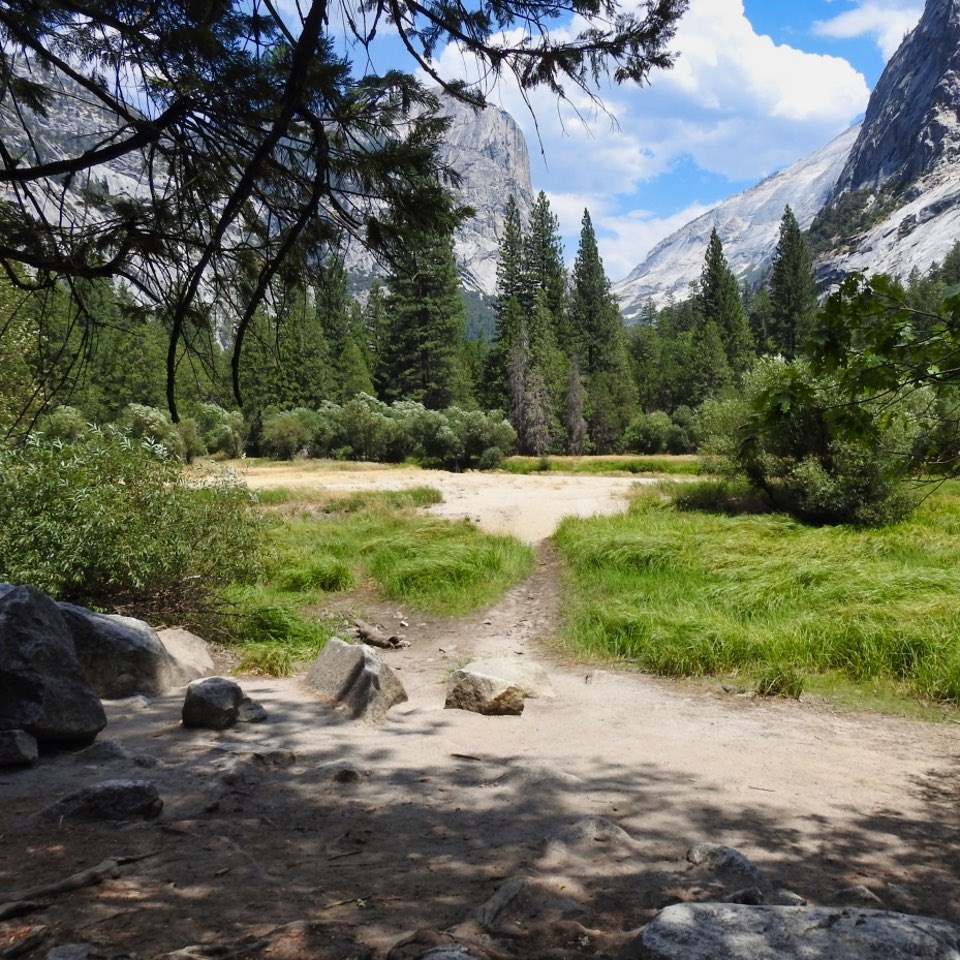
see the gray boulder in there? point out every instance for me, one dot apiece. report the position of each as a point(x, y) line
point(719, 931)
point(212, 703)
point(192, 653)
point(530, 677)
point(356, 677)
point(17, 749)
point(123, 656)
point(107, 800)
point(43, 689)
point(479, 692)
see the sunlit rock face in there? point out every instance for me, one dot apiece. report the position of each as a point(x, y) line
point(748, 225)
point(904, 156)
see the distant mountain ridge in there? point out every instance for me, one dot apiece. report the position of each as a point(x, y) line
point(901, 161)
point(748, 224)
point(486, 147)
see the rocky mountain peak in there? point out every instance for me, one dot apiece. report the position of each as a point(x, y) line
point(912, 123)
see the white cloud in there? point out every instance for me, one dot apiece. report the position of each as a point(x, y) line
point(887, 21)
point(624, 240)
point(736, 105)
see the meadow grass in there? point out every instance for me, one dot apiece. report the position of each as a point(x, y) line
point(644, 466)
point(764, 598)
point(376, 539)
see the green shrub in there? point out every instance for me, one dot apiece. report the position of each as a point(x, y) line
point(284, 434)
point(63, 423)
point(222, 430)
point(111, 519)
point(647, 432)
point(152, 425)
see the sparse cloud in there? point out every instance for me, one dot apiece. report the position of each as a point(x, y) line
point(887, 21)
point(737, 106)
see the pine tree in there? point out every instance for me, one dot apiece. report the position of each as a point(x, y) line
point(793, 292)
point(422, 358)
point(510, 278)
point(598, 342)
point(720, 302)
point(333, 305)
point(543, 269)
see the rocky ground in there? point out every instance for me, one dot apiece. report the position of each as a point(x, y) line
point(559, 832)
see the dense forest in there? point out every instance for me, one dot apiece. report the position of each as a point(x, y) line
point(393, 373)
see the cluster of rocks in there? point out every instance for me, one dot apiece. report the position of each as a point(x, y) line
point(56, 664)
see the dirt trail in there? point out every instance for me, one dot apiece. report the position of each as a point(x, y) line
point(452, 805)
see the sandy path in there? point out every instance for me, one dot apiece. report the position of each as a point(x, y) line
point(451, 805)
point(529, 507)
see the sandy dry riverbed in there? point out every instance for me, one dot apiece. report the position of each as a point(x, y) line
point(451, 807)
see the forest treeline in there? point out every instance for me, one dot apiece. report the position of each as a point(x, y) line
point(394, 374)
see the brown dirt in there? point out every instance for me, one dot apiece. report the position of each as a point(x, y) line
point(453, 805)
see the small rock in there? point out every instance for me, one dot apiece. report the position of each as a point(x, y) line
point(725, 861)
point(249, 711)
point(212, 703)
point(858, 896)
point(487, 695)
point(17, 749)
point(103, 751)
point(341, 771)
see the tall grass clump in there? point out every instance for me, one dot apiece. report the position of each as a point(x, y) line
point(377, 540)
point(765, 597)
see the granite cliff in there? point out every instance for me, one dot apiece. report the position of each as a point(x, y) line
point(896, 174)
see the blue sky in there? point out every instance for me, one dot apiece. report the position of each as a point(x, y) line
point(758, 85)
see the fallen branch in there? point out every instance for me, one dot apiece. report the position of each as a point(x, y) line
point(367, 633)
point(85, 878)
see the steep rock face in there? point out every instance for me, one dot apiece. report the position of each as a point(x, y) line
point(748, 225)
point(903, 157)
point(912, 123)
point(489, 152)
point(908, 149)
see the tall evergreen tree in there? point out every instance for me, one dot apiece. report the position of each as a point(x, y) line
point(598, 342)
point(720, 301)
point(423, 353)
point(333, 305)
point(793, 292)
point(543, 270)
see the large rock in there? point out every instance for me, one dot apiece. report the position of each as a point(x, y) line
point(479, 692)
point(212, 703)
point(356, 676)
point(43, 689)
point(190, 651)
point(719, 931)
point(107, 800)
point(123, 656)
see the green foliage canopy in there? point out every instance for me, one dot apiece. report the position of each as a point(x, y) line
point(260, 147)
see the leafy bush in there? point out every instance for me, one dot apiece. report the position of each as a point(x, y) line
point(816, 462)
point(365, 428)
point(809, 455)
point(63, 423)
point(222, 430)
point(112, 519)
point(647, 432)
point(152, 425)
point(285, 433)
